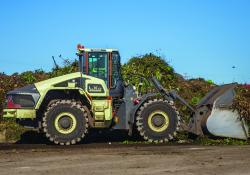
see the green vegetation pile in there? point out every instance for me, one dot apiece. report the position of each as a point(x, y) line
point(150, 65)
point(242, 102)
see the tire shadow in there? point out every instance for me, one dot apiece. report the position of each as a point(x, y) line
point(93, 136)
point(105, 135)
point(33, 137)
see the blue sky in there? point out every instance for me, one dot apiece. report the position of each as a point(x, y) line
point(199, 38)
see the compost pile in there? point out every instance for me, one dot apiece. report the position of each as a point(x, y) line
point(150, 65)
point(242, 101)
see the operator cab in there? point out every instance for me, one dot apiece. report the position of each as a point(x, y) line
point(104, 64)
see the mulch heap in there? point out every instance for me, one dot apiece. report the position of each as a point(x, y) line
point(242, 101)
point(192, 90)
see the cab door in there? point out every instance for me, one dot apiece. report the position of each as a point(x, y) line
point(98, 65)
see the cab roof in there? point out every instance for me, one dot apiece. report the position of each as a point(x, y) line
point(97, 50)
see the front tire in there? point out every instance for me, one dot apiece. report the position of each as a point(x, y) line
point(157, 121)
point(65, 122)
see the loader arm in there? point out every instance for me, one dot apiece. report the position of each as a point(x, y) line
point(213, 115)
point(170, 95)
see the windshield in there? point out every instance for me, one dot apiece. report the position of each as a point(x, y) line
point(98, 65)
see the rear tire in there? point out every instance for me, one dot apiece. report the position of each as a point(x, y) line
point(65, 122)
point(157, 121)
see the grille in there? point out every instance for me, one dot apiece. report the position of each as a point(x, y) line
point(25, 101)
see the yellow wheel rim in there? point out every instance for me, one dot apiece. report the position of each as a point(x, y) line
point(158, 121)
point(69, 126)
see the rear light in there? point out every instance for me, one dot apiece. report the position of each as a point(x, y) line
point(11, 104)
point(17, 101)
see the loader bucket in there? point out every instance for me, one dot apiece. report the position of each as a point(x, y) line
point(214, 115)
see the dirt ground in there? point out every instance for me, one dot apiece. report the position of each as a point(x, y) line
point(117, 158)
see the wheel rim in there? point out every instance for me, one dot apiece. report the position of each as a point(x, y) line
point(158, 121)
point(65, 123)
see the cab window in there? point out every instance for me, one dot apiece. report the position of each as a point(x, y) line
point(98, 65)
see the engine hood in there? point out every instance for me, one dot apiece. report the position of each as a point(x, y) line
point(46, 84)
point(29, 89)
point(75, 80)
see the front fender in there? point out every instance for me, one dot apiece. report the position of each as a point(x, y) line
point(142, 100)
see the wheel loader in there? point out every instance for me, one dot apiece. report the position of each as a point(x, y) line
point(65, 108)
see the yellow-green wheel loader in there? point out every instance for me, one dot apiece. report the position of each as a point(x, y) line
point(66, 107)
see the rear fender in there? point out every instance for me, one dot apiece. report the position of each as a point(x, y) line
point(63, 93)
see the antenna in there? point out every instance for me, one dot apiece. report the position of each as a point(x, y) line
point(56, 65)
point(64, 59)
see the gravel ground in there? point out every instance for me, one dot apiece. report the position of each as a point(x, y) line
point(103, 158)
